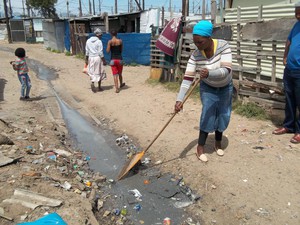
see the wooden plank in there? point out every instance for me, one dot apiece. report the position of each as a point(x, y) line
point(245, 69)
point(270, 103)
point(270, 83)
point(275, 97)
point(257, 85)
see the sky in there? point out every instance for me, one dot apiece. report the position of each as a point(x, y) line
point(106, 5)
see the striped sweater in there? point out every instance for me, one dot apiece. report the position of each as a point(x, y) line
point(219, 67)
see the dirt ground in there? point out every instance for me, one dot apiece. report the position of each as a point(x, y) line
point(255, 182)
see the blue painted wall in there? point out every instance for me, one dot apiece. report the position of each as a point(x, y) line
point(136, 47)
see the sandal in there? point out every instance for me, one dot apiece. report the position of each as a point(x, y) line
point(295, 139)
point(117, 91)
point(220, 152)
point(202, 157)
point(122, 85)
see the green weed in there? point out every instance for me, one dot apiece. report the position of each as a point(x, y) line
point(250, 110)
point(80, 56)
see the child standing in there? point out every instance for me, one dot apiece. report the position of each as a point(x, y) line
point(21, 67)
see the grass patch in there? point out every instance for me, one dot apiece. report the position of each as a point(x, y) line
point(80, 56)
point(67, 53)
point(55, 51)
point(250, 110)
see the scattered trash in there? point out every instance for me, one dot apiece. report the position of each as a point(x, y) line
point(117, 212)
point(146, 182)
point(62, 152)
point(106, 213)
point(258, 147)
point(124, 210)
point(167, 221)
point(136, 194)
point(100, 204)
point(31, 174)
point(180, 205)
point(52, 156)
point(188, 192)
point(88, 183)
point(146, 161)
point(111, 180)
point(66, 185)
point(158, 162)
point(137, 207)
point(30, 150)
point(52, 218)
point(262, 212)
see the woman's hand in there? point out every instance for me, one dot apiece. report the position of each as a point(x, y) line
point(178, 106)
point(203, 73)
point(104, 61)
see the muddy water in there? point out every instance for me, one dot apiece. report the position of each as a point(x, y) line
point(106, 157)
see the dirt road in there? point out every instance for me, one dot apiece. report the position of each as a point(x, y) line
point(255, 182)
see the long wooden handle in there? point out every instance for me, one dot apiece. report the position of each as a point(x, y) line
point(196, 82)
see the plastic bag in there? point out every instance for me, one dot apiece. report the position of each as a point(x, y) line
point(85, 70)
point(50, 219)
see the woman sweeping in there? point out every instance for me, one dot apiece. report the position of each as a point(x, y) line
point(212, 60)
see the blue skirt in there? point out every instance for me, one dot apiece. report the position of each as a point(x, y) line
point(216, 107)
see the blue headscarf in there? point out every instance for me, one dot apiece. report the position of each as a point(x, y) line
point(203, 28)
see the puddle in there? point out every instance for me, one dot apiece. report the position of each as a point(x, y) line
point(43, 72)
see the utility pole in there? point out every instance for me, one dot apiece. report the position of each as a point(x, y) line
point(80, 9)
point(116, 6)
point(68, 15)
point(94, 12)
point(10, 10)
point(23, 8)
point(100, 2)
point(213, 11)
point(28, 8)
point(170, 9)
point(203, 9)
point(90, 7)
point(7, 22)
point(185, 8)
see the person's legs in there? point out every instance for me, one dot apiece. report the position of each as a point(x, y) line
point(297, 103)
point(120, 69)
point(99, 86)
point(93, 87)
point(218, 139)
point(290, 102)
point(28, 86)
point(218, 143)
point(23, 86)
point(200, 148)
point(116, 82)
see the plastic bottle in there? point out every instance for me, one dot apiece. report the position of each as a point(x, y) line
point(124, 211)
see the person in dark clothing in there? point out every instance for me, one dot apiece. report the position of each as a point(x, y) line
point(115, 48)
